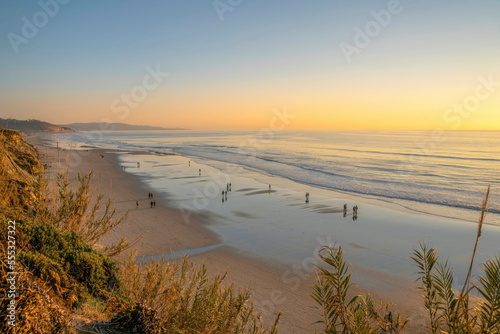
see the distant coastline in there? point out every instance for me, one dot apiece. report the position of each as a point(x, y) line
point(32, 126)
point(104, 126)
point(35, 126)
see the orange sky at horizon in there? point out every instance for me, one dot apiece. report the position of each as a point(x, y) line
point(237, 109)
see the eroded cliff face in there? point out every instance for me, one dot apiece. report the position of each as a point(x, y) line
point(19, 171)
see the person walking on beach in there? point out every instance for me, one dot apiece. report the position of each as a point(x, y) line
point(137, 204)
point(154, 204)
point(151, 204)
point(149, 195)
point(307, 197)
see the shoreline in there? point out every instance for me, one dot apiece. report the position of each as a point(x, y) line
point(454, 212)
point(272, 285)
point(394, 203)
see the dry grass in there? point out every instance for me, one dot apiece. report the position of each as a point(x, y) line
point(188, 301)
point(36, 311)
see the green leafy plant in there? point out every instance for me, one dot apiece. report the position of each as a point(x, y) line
point(80, 212)
point(452, 312)
point(342, 314)
point(69, 265)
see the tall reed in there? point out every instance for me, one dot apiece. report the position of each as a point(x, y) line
point(341, 314)
point(451, 312)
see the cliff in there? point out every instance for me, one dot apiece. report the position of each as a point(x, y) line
point(19, 168)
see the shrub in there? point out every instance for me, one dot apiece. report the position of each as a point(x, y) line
point(186, 300)
point(69, 264)
point(451, 312)
point(360, 314)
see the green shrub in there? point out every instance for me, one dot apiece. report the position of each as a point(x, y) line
point(71, 266)
point(451, 312)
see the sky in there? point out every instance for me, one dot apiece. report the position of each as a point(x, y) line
point(239, 64)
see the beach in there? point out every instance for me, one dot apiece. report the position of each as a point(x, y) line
point(165, 231)
point(266, 238)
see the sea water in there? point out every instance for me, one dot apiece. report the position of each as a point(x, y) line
point(445, 173)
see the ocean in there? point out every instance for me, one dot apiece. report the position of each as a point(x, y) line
point(444, 173)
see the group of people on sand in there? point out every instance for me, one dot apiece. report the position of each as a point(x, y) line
point(354, 208)
point(354, 212)
point(152, 203)
point(224, 192)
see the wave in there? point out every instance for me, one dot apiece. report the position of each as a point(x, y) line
point(282, 169)
point(416, 155)
point(437, 182)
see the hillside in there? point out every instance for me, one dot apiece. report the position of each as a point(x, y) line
point(96, 126)
point(19, 167)
point(32, 126)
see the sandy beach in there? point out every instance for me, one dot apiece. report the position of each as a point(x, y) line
point(211, 237)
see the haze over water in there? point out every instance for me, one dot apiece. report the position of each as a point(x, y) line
point(446, 175)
